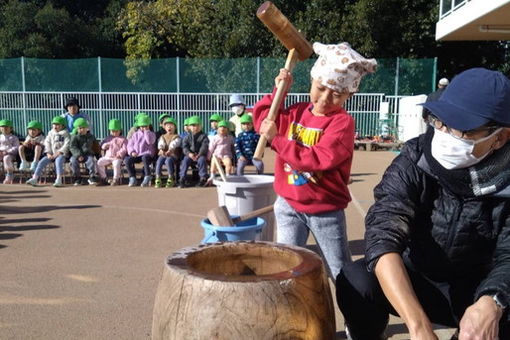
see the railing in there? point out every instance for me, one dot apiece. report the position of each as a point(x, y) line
point(446, 7)
point(22, 107)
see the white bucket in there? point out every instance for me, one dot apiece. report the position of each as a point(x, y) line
point(243, 194)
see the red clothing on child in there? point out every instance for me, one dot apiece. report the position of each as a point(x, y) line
point(314, 156)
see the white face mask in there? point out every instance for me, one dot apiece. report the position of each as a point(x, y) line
point(238, 109)
point(453, 153)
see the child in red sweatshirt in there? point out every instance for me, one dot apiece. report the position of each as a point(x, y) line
point(314, 143)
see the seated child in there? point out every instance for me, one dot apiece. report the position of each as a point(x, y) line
point(195, 147)
point(246, 143)
point(222, 147)
point(161, 131)
point(314, 149)
point(185, 129)
point(82, 151)
point(56, 147)
point(213, 120)
point(9, 145)
point(115, 147)
point(168, 152)
point(141, 149)
point(31, 149)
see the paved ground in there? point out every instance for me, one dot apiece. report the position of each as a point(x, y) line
point(84, 263)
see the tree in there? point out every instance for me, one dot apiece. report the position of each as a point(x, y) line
point(46, 29)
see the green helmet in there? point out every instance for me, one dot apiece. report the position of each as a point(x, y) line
point(215, 118)
point(143, 120)
point(6, 122)
point(163, 116)
point(59, 120)
point(194, 120)
point(223, 123)
point(34, 124)
point(80, 123)
point(170, 120)
point(114, 125)
point(246, 118)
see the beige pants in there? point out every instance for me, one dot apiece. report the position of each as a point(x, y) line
point(104, 161)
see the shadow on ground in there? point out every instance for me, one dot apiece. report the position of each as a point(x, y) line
point(44, 208)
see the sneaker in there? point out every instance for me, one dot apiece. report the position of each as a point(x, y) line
point(114, 181)
point(8, 179)
point(383, 336)
point(182, 183)
point(170, 183)
point(32, 182)
point(23, 166)
point(132, 181)
point(157, 183)
point(58, 183)
point(92, 181)
point(33, 166)
point(146, 181)
point(77, 182)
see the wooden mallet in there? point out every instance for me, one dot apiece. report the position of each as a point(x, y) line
point(220, 216)
point(299, 49)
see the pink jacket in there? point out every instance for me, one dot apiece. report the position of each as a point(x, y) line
point(117, 147)
point(221, 146)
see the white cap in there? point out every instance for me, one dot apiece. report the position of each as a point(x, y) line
point(340, 67)
point(444, 81)
point(236, 99)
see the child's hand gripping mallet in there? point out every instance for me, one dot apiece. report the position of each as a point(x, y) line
point(220, 216)
point(299, 49)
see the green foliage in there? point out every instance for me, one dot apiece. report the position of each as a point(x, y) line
point(48, 29)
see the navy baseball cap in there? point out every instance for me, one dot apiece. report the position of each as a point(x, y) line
point(474, 98)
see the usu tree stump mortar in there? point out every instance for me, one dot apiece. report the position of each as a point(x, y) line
point(243, 290)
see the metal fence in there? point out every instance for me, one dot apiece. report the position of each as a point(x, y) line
point(22, 107)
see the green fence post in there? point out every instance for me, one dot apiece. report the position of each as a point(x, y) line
point(397, 71)
point(434, 75)
point(100, 101)
point(23, 85)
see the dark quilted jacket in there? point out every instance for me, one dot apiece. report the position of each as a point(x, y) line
point(440, 234)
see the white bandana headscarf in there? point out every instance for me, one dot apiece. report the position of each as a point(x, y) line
point(339, 67)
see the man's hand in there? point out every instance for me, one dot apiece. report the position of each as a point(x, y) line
point(481, 320)
point(268, 129)
point(81, 158)
point(50, 156)
point(106, 146)
point(134, 154)
point(242, 159)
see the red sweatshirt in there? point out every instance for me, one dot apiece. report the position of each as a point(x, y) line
point(314, 156)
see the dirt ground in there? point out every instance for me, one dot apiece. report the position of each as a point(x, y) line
point(85, 262)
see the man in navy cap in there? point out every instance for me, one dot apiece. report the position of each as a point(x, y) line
point(438, 234)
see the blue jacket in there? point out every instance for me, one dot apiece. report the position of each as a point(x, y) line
point(71, 119)
point(246, 143)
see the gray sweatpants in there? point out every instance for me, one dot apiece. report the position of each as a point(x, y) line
point(327, 228)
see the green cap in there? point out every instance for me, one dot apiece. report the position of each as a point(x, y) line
point(163, 116)
point(215, 117)
point(223, 123)
point(246, 118)
point(59, 120)
point(194, 120)
point(186, 121)
point(80, 123)
point(6, 122)
point(143, 120)
point(170, 120)
point(34, 124)
point(140, 114)
point(114, 125)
